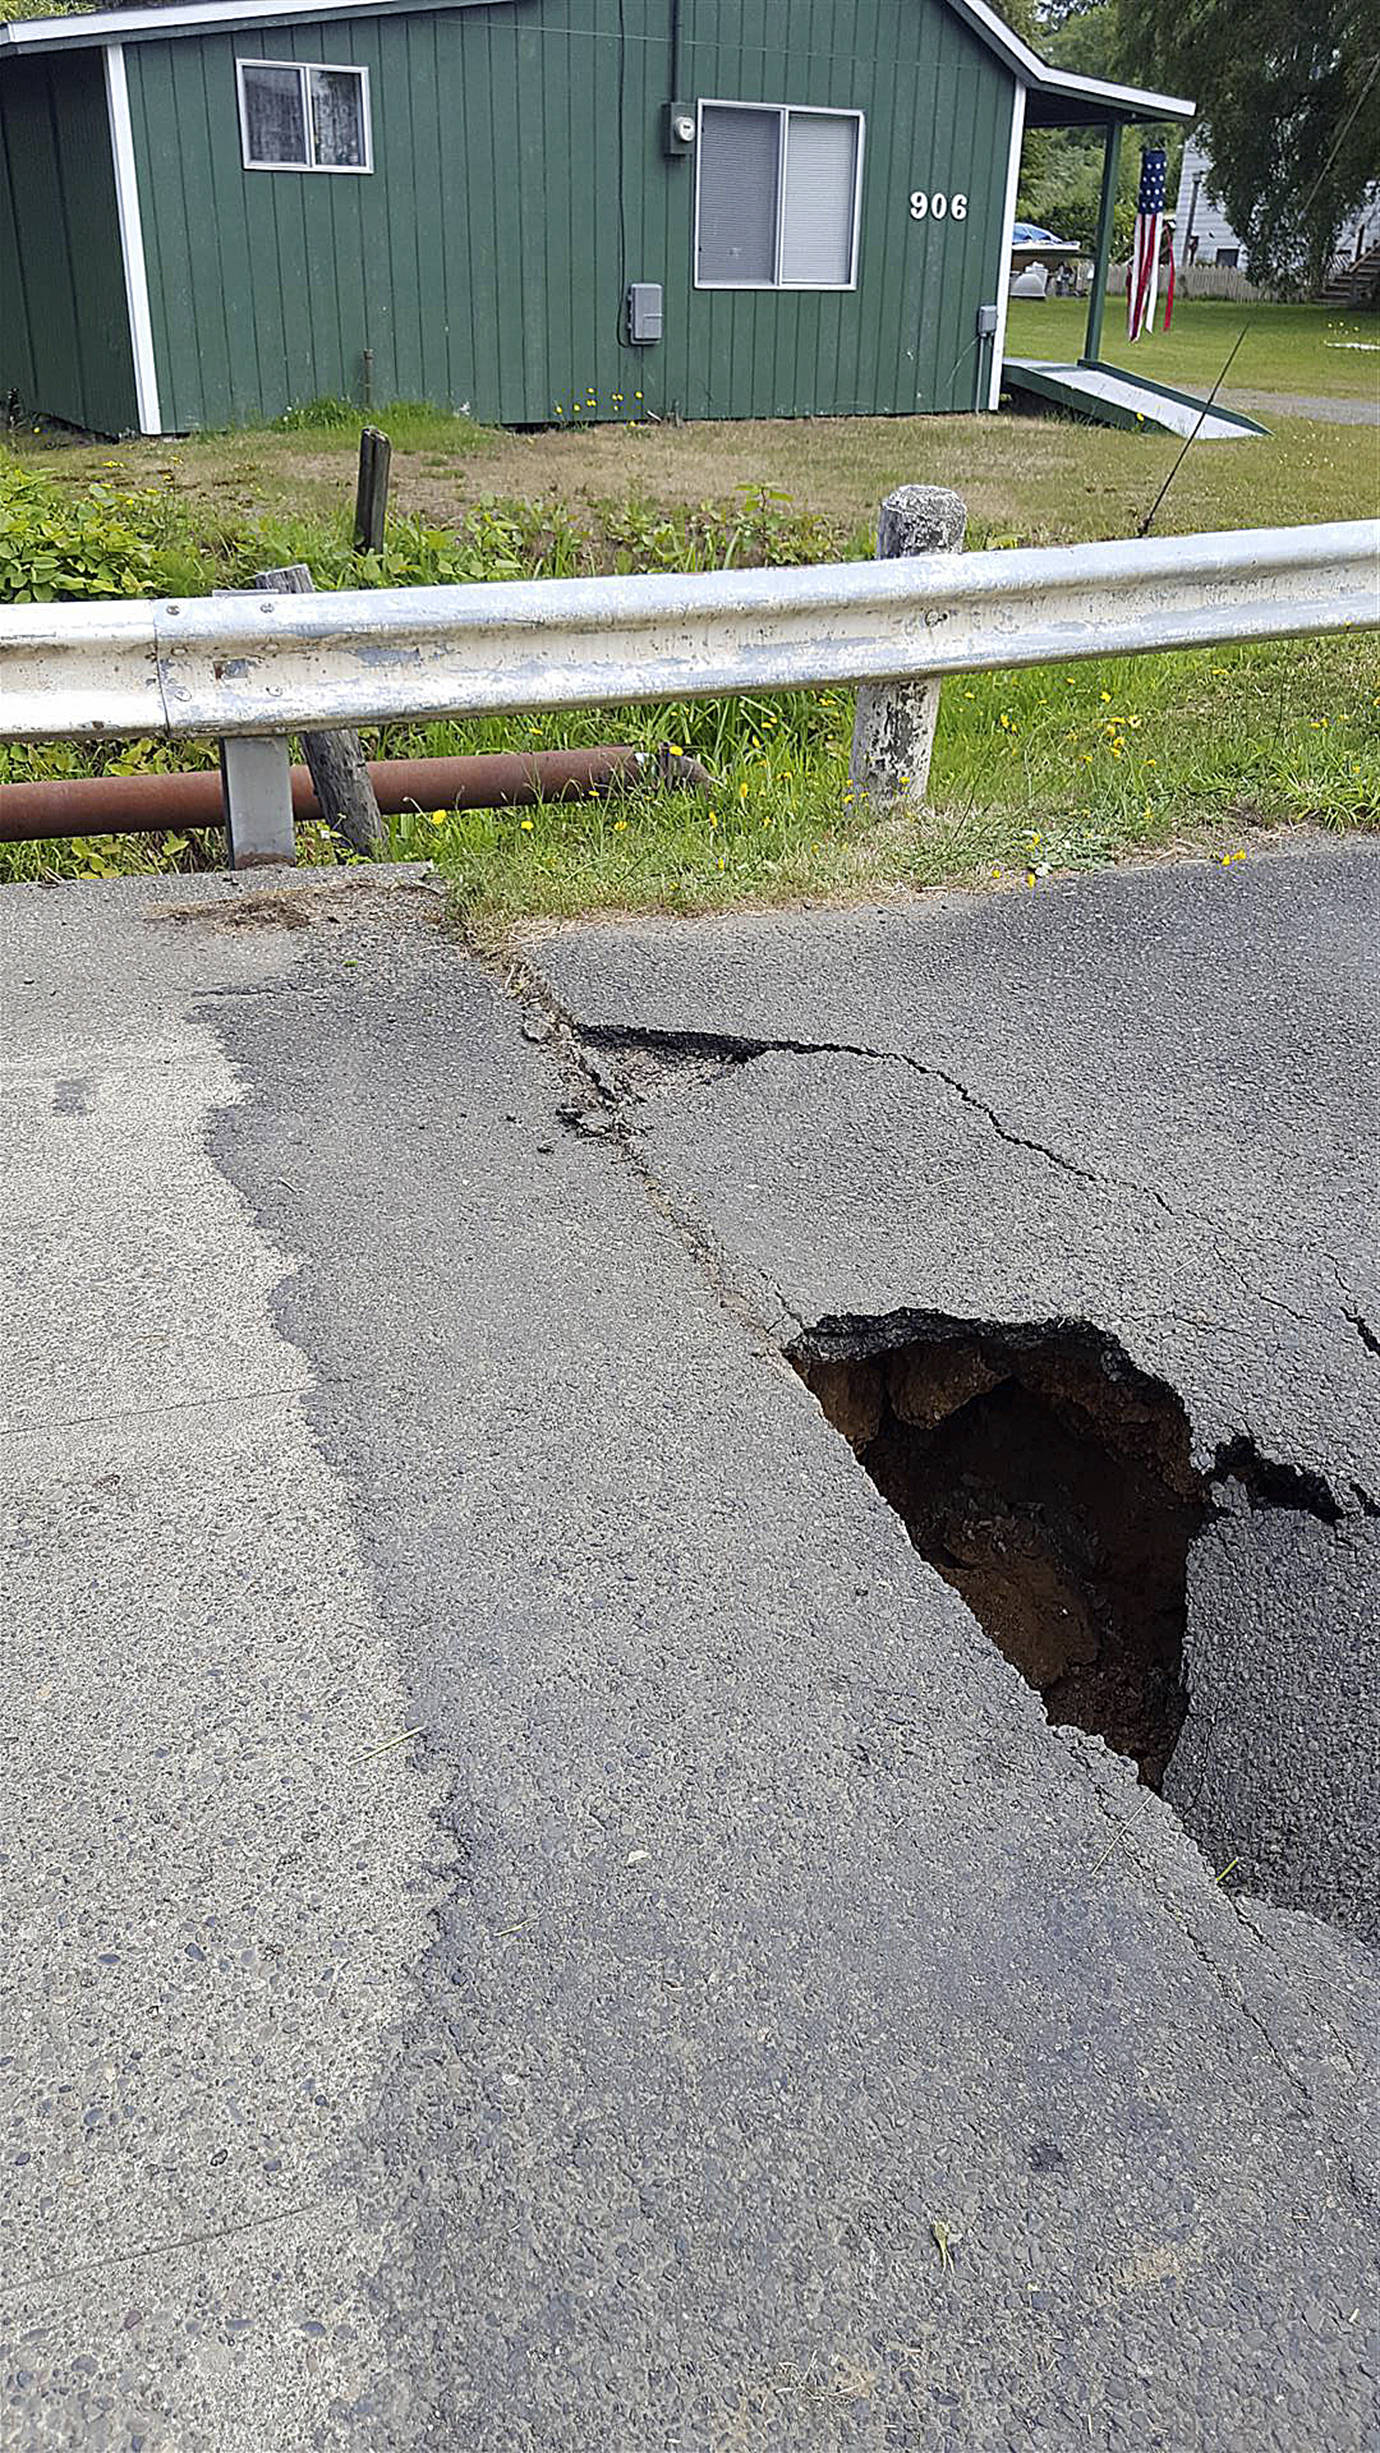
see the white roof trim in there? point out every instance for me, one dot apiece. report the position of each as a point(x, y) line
point(133, 24)
point(1033, 71)
point(1095, 89)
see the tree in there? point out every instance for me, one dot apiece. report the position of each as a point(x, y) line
point(1061, 170)
point(1289, 95)
point(1023, 17)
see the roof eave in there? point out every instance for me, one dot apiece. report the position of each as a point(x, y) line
point(1090, 97)
point(1116, 101)
point(1099, 98)
point(119, 25)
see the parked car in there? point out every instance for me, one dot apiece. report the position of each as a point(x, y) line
point(1036, 254)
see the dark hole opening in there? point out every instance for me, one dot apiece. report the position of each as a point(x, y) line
point(1052, 1485)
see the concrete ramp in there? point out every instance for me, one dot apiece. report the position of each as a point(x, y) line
point(1110, 397)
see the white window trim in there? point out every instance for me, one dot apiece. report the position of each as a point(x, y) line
point(782, 111)
point(316, 170)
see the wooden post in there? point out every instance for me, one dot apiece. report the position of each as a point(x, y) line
point(371, 493)
point(1106, 212)
point(893, 729)
point(338, 771)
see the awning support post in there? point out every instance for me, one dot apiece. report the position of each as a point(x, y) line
point(1097, 300)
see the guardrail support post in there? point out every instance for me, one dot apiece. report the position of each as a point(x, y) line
point(256, 786)
point(336, 760)
point(893, 729)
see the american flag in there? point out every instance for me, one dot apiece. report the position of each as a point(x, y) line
point(1142, 287)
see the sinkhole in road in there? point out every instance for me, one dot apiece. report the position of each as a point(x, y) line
point(1052, 1485)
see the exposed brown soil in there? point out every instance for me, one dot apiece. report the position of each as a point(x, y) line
point(1053, 1487)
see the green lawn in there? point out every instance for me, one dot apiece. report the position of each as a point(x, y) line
point(1307, 350)
point(1034, 772)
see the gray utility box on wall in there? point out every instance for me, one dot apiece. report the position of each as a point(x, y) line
point(644, 311)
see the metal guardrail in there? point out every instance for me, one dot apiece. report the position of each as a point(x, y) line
point(257, 668)
point(276, 664)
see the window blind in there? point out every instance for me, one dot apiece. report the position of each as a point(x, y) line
point(817, 214)
point(738, 179)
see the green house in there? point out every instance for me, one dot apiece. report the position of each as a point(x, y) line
point(704, 208)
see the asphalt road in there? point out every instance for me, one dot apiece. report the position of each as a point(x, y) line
point(1327, 407)
point(537, 1920)
point(1145, 1101)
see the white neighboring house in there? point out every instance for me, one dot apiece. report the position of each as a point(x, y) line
point(1203, 234)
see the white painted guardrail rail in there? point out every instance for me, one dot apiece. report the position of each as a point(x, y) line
point(253, 669)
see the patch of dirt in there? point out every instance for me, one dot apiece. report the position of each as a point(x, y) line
point(350, 896)
point(285, 909)
point(1052, 1486)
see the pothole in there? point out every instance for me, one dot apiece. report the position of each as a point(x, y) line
point(1052, 1485)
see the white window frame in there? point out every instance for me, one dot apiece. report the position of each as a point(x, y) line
point(782, 111)
point(303, 68)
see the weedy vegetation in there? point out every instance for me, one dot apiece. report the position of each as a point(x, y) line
point(1035, 773)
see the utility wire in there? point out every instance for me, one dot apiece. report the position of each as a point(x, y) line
point(1192, 437)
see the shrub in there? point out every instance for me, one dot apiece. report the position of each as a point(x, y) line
point(101, 543)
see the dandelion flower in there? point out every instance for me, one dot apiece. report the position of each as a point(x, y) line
point(527, 826)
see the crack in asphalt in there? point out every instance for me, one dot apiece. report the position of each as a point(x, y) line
point(1232, 1991)
point(728, 1048)
point(1263, 1478)
point(732, 1048)
point(1268, 1482)
point(27, 2289)
point(599, 1104)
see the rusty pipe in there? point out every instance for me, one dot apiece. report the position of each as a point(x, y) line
point(501, 779)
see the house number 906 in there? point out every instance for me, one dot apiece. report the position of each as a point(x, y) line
point(937, 206)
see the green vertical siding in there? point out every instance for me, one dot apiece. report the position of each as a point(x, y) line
point(519, 182)
point(64, 323)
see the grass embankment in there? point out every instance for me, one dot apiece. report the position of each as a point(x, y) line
point(1033, 772)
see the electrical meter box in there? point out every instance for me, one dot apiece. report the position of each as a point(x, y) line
point(644, 312)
